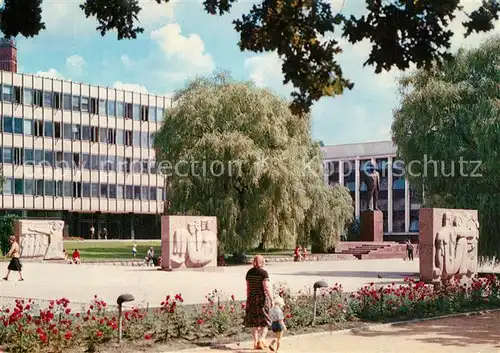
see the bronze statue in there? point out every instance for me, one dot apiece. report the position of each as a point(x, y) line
point(372, 182)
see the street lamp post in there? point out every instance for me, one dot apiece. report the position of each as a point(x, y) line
point(319, 284)
point(124, 298)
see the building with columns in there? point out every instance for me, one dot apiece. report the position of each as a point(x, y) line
point(80, 153)
point(345, 164)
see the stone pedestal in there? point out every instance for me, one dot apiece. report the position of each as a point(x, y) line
point(372, 226)
point(188, 241)
point(447, 244)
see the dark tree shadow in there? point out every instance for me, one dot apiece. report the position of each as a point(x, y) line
point(462, 331)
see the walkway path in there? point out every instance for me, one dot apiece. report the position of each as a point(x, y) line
point(472, 334)
point(79, 283)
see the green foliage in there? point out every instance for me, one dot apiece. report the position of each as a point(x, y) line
point(6, 230)
point(300, 31)
point(271, 186)
point(451, 114)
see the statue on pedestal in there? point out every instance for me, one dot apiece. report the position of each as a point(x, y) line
point(371, 178)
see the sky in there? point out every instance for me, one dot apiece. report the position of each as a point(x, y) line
point(181, 41)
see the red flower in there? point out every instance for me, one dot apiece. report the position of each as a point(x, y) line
point(147, 336)
point(200, 322)
point(43, 337)
point(98, 334)
point(67, 311)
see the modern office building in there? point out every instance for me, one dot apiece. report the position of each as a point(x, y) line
point(345, 165)
point(80, 153)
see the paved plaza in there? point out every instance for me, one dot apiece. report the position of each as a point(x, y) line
point(470, 334)
point(80, 283)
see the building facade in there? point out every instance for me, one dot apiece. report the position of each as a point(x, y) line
point(399, 202)
point(80, 153)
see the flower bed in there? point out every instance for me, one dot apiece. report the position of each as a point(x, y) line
point(26, 328)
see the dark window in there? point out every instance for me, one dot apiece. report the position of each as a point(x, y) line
point(67, 101)
point(119, 192)
point(59, 188)
point(68, 188)
point(94, 105)
point(38, 98)
point(152, 194)
point(47, 99)
point(49, 158)
point(85, 133)
point(137, 166)
point(94, 134)
point(67, 131)
point(7, 124)
point(128, 165)
point(77, 189)
point(76, 160)
point(128, 137)
point(29, 158)
point(18, 125)
point(7, 94)
point(104, 190)
point(75, 103)
point(48, 129)
point(18, 156)
point(77, 132)
point(144, 113)
point(59, 159)
point(18, 97)
point(85, 161)
point(57, 130)
point(94, 162)
point(137, 112)
point(129, 192)
point(38, 127)
point(112, 136)
point(39, 187)
point(137, 192)
point(144, 193)
point(85, 190)
point(18, 186)
point(102, 107)
point(57, 100)
point(103, 135)
point(129, 111)
point(95, 190)
point(112, 191)
point(49, 188)
point(68, 160)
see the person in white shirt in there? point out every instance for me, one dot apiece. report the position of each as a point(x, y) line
point(134, 251)
point(277, 319)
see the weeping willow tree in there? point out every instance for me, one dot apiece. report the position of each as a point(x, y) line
point(450, 118)
point(238, 153)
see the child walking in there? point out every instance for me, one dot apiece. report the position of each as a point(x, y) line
point(277, 322)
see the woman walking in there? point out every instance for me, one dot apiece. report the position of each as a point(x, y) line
point(15, 264)
point(259, 301)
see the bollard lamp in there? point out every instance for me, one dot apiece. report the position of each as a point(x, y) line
point(124, 298)
point(318, 284)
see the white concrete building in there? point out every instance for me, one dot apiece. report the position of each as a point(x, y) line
point(80, 153)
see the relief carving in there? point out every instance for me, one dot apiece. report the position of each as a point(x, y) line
point(194, 246)
point(41, 239)
point(456, 246)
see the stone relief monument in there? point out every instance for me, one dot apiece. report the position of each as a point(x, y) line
point(371, 178)
point(448, 244)
point(40, 238)
point(189, 241)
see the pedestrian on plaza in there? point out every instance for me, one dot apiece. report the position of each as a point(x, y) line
point(15, 263)
point(304, 253)
point(409, 249)
point(92, 231)
point(259, 301)
point(297, 256)
point(277, 322)
point(76, 257)
point(104, 233)
point(134, 251)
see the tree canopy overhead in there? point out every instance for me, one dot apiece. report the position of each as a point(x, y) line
point(402, 31)
point(450, 117)
point(246, 159)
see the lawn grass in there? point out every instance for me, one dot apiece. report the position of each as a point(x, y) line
point(111, 250)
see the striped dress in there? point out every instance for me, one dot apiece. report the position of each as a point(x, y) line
point(257, 308)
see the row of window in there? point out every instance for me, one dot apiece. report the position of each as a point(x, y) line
point(76, 132)
point(92, 105)
point(39, 187)
point(77, 160)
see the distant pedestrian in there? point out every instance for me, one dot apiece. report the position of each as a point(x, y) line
point(297, 256)
point(15, 263)
point(92, 232)
point(134, 251)
point(76, 257)
point(104, 233)
point(409, 249)
point(304, 253)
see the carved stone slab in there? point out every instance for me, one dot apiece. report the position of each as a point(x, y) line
point(40, 238)
point(188, 241)
point(448, 243)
